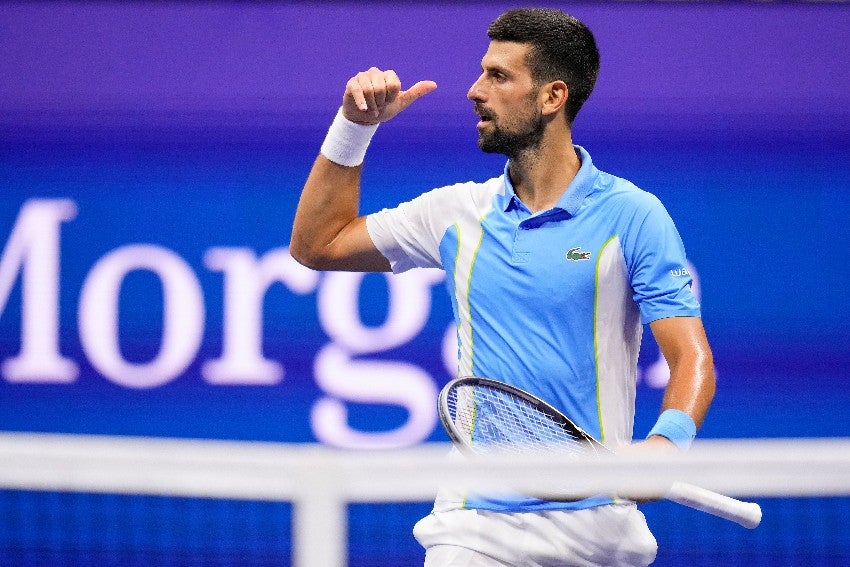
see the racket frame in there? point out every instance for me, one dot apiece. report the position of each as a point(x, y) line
point(461, 440)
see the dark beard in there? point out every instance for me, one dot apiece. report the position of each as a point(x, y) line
point(511, 144)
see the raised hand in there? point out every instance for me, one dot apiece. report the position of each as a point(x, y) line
point(375, 96)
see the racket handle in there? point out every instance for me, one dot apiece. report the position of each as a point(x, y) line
point(747, 514)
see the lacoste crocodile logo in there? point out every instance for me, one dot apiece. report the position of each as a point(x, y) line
point(576, 255)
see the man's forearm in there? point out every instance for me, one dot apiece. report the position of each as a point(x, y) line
point(691, 387)
point(690, 390)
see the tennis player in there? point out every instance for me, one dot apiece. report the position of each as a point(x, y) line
point(553, 268)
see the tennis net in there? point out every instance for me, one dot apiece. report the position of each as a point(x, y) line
point(86, 500)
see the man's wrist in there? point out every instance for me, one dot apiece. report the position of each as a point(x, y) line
point(346, 142)
point(677, 426)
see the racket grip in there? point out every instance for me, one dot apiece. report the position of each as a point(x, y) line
point(747, 514)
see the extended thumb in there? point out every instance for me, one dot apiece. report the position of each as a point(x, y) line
point(418, 90)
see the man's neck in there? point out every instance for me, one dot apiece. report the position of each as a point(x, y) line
point(540, 175)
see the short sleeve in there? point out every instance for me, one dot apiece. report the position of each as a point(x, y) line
point(409, 235)
point(658, 267)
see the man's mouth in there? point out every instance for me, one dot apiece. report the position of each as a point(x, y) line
point(484, 115)
point(484, 120)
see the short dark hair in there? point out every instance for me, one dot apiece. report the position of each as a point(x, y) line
point(562, 48)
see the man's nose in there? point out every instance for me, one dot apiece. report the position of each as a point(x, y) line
point(475, 92)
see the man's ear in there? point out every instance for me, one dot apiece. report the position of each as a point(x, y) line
point(553, 97)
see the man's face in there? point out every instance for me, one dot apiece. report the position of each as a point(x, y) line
point(505, 98)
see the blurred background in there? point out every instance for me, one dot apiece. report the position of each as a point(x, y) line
point(151, 157)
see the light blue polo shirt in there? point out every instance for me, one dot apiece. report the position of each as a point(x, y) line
point(552, 302)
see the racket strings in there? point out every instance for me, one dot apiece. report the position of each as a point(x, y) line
point(497, 421)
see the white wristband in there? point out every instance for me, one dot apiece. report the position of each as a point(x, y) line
point(347, 141)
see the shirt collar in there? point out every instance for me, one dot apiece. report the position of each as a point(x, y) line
point(580, 187)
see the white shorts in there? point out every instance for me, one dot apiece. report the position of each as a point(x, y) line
point(615, 535)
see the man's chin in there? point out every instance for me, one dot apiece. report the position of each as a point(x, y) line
point(489, 146)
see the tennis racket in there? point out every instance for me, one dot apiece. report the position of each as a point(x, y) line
point(486, 416)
